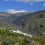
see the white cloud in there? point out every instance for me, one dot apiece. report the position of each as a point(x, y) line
point(44, 4)
point(5, 0)
point(12, 11)
point(31, 3)
point(26, 0)
point(30, 0)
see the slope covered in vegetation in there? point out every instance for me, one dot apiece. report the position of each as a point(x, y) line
point(10, 38)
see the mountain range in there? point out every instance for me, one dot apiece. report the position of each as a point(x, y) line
point(30, 23)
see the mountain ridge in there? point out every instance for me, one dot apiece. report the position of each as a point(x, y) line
point(31, 23)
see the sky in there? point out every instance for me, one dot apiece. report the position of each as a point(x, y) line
point(21, 5)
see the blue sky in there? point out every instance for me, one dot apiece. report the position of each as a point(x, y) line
point(19, 5)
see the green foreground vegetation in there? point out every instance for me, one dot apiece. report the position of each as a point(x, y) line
point(10, 38)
